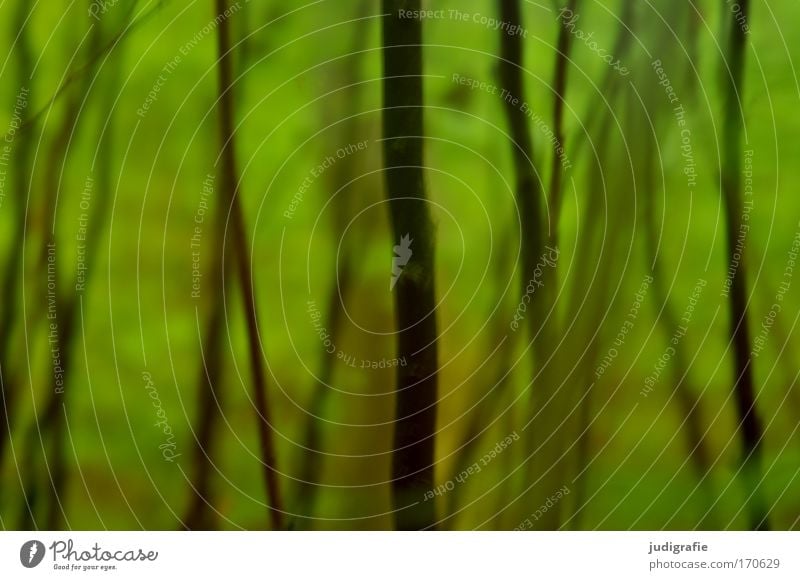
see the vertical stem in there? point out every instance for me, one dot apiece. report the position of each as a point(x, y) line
point(594, 176)
point(13, 272)
point(528, 187)
point(198, 515)
point(597, 124)
point(688, 403)
point(545, 451)
point(306, 488)
point(612, 82)
point(55, 415)
point(750, 429)
point(559, 93)
point(347, 74)
point(415, 415)
point(230, 185)
point(52, 422)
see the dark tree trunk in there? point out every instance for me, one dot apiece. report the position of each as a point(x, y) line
point(415, 420)
point(750, 429)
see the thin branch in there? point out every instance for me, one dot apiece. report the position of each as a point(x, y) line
point(90, 64)
point(230, 186)
point(546, 458)
point(198, 514)
point(559, 95)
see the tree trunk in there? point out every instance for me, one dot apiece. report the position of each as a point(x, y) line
point(414, 292)
point(750, 429)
